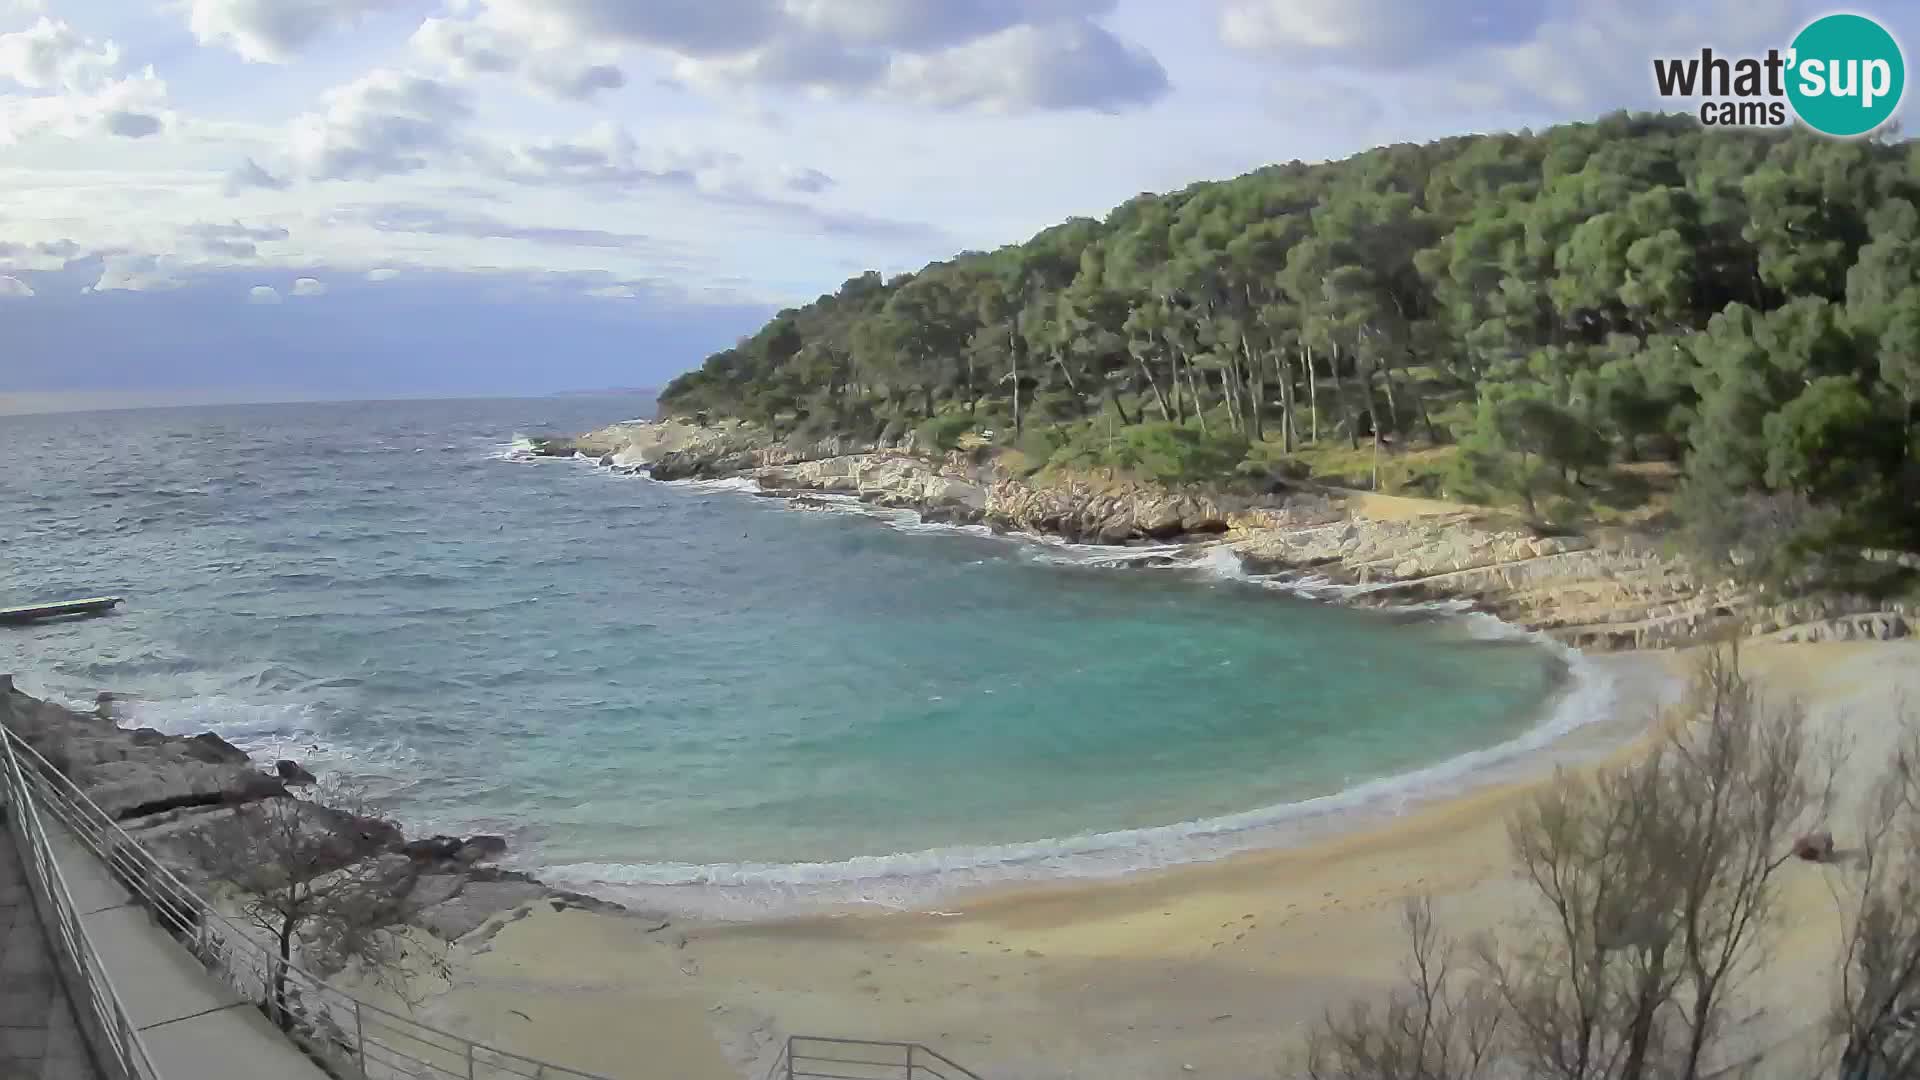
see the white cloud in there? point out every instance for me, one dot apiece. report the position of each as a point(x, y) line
point(606, 154)
point(384, 123)
point(307, 286)
point(1547, 56)
point(232, 241)
point(383, 273)
point(995, 54)
point(614, 292)
point(263, 294)
point(39, 255)
point(272, 31)
point(51, 55)
point(137, 273)
point(1591, 56)
point(132, 107)
point(77, 93)
point(249, 174)
point(13, 286)
point(470, 48)
point(1064, 65)
point(1374, 32)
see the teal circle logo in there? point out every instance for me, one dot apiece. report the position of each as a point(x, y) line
point(1847, 75)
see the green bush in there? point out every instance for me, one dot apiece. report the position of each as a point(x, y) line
point(943, 432)
point(1167, 453)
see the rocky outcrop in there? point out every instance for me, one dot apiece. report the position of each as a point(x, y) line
point(163, 789)
point(1083, 512)
point(125, 770)
point(1618, 592)
point(1589, 593)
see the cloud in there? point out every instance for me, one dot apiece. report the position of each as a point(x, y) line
point(137, 273)
point(130, 125)
point(251, 175)
point(689, 27)
point(263, 294)
point(235, 230)
point(39, 255)
point(470, 48)
point(51, 55)
point(13, 286)
point(1547, 56)
point(232, 241)
point(76, 93)
point(272, 31)
point(307, 286)
point(1374, 33)
point(384, 123)
point(614, 292)
point(414, 218)
point(997, 54)
point(384, 273)
point(132, 107)
point(606, 154)
point(1065, 65)
point(1592, 55)
point(810, 181)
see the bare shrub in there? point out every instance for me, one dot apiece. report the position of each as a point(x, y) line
point(1441, 1026)
point(311, 874)
point(1878, 1005)
point(1655, 884)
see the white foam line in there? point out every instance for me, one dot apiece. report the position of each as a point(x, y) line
point(915, 880)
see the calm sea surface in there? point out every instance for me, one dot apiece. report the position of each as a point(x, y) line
point(686, 695)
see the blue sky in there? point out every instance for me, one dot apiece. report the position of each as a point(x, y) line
point(220, 199)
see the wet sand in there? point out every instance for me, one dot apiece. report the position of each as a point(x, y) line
point(1213, 969)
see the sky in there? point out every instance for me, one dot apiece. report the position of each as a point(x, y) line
point(215, 200)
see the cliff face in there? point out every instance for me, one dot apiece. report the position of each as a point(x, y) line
point(1618, 593)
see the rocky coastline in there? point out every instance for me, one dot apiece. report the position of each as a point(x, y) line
point(1607, 592)
point(161, 789)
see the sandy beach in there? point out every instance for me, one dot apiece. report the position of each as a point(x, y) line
point(1214, 969)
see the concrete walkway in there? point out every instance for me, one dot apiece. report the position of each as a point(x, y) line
point(195, 1026)
point(38, 1039)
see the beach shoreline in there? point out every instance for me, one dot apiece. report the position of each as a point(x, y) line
point(1222, 966)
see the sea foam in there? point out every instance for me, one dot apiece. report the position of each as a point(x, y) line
point(915, 880)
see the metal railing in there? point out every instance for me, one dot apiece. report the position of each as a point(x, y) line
point(99, 1012)
point(348, 1037)
point(816, 1057)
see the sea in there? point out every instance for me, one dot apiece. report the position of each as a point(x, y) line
point(691, 697)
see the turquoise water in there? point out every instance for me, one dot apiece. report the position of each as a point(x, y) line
point(688, 696)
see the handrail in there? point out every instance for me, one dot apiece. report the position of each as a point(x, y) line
point(116, 1044)
point(350, 1037)
point(822, 1057)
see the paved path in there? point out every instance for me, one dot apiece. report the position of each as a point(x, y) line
point(195, 1026)
point(38, 1040)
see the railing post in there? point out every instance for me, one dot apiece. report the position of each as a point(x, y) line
point(469, 1060)
point(909, 1061)
point(359, 1038)
point(789, 1057)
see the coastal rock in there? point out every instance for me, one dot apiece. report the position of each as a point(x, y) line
point(165, 788)
point(436, 849)
point(1616, 591)
point(431, 849)
point(214, 750)
point(475, 849)
point(292, 774)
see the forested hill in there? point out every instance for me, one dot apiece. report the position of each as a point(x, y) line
point(1545, 310)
